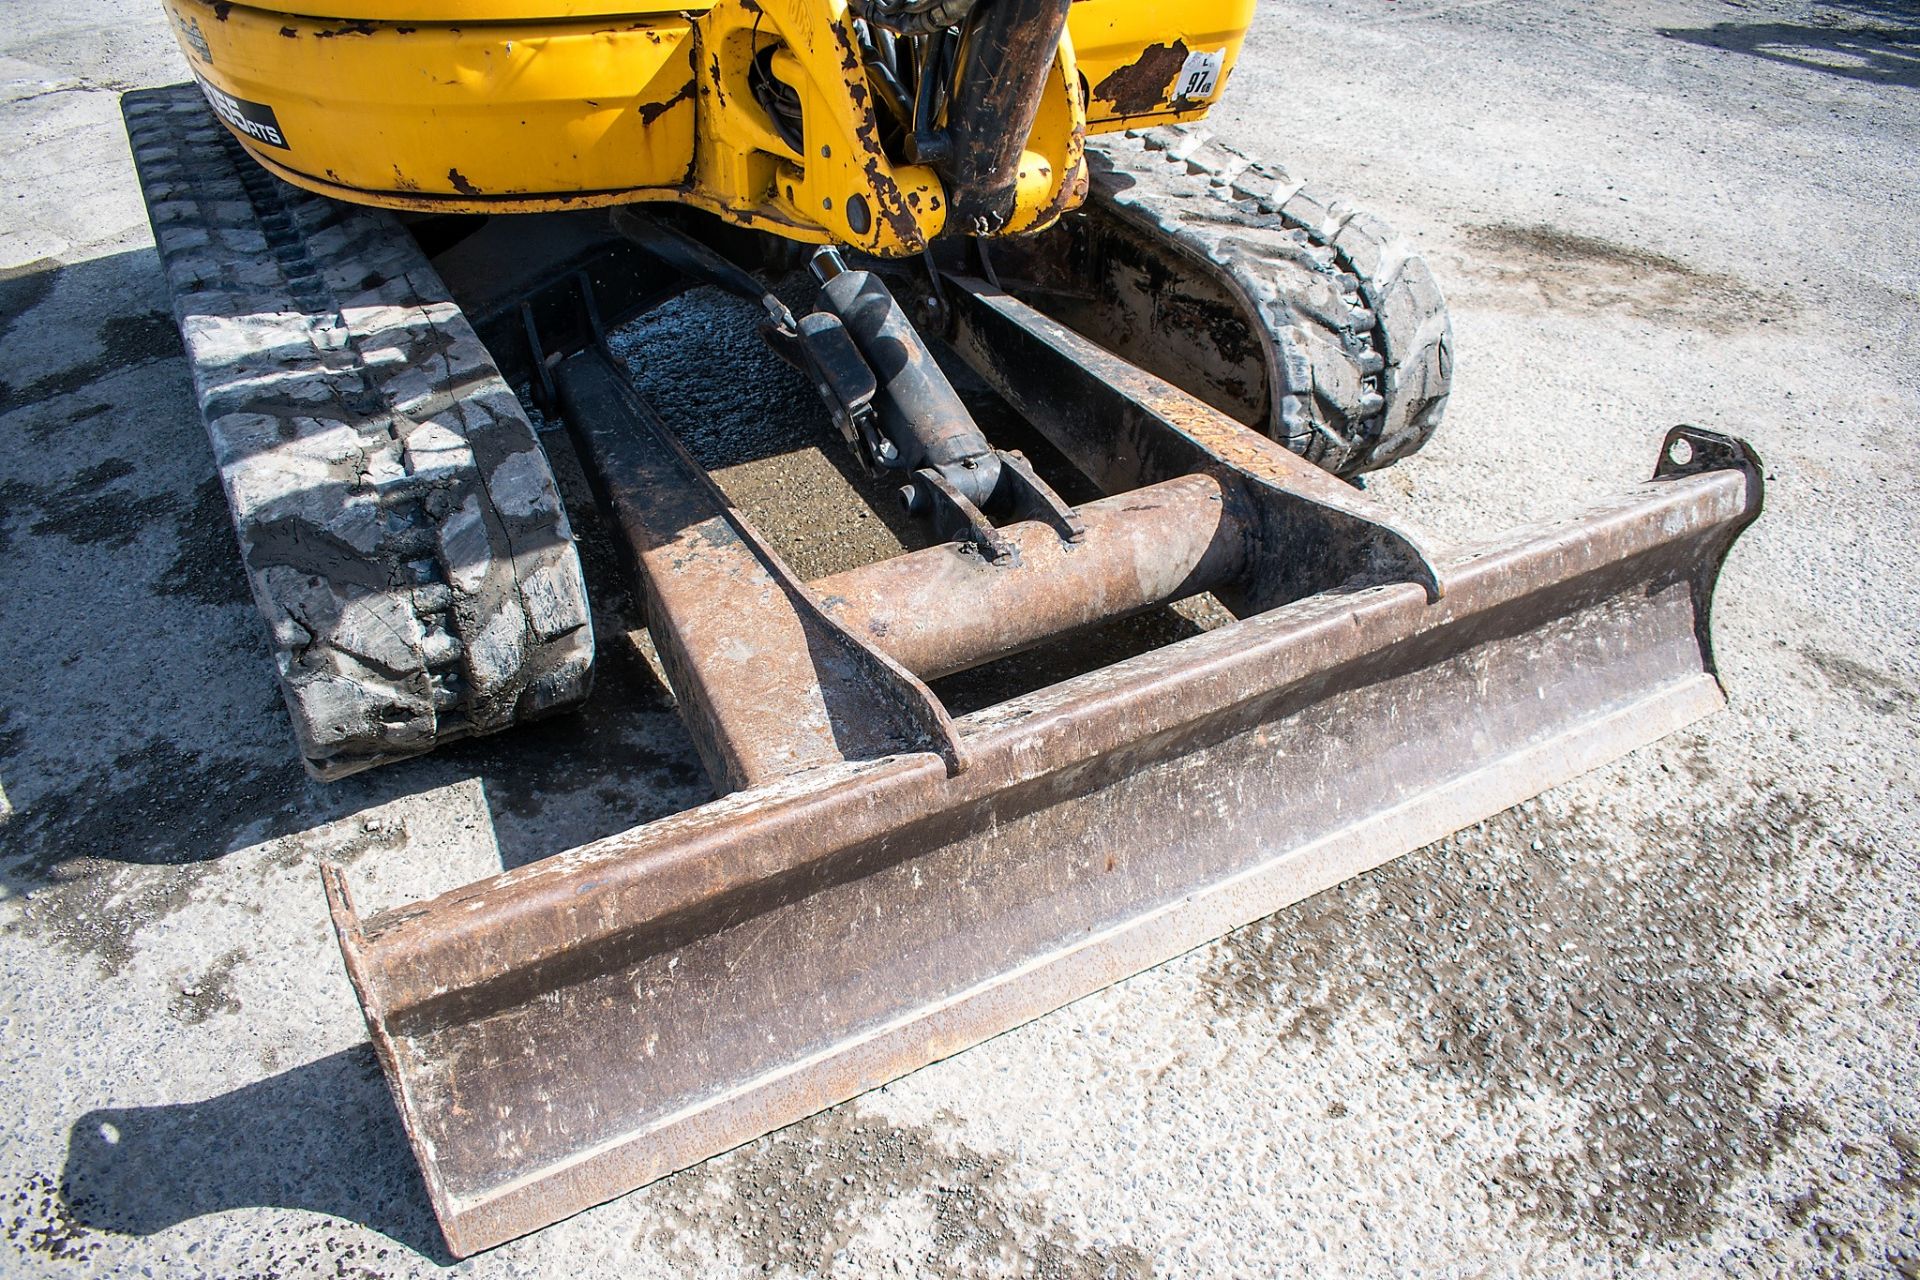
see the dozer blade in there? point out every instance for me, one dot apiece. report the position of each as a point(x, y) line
point(892, 885)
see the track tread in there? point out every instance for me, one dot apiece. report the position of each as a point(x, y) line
point(400, 526)
point(1359, 345)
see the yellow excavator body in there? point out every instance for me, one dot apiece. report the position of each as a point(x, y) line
point(1200, 347)
point(491, 106)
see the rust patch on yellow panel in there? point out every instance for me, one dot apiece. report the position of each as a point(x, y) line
point(1142, 85)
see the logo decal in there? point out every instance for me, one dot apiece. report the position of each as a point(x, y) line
point(253, 119)
point(196, 41)
point(192, 35)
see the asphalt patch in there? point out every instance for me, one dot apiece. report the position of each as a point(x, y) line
point(1519, 958)
point(1880, 692)
point(1906, 1154)
point(206, 566)
point(209, 993)
point(119, 848)
point(41, 1224)
point(90, 509)
point(795, 1199)
point(124, 341)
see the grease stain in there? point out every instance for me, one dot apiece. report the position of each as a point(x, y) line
point(1556, 270)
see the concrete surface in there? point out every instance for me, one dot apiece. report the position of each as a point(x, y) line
point(1661, 1021)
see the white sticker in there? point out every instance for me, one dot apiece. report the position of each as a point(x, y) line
point(1199, 75)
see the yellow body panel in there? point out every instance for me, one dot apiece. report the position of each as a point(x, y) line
point(1137, 57)
point(510, 105)
point(432, 113)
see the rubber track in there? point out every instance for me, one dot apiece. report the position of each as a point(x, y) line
point(399, 522)
point(1359, 346)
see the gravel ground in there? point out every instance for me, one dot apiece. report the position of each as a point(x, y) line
point(1662, 1020)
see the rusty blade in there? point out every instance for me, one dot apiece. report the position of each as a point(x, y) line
point(570, 1030)
point(1124, 427)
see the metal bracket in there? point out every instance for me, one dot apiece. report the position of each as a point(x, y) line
point(1125, 428)
point(955, 517)
point(1689, 450)
point(545, 393)
point(1031, 498)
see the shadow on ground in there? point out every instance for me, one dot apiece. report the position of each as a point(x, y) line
point(142, 740)
point(1875, 41)
point(322, 1137)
